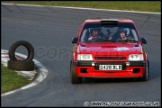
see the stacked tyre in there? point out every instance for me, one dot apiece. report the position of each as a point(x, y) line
point(24, 65)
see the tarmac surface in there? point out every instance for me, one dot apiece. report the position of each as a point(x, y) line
point(50, 30)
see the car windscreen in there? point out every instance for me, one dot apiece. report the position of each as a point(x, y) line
point(119, 32)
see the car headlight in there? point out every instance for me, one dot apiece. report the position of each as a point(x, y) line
point(84, 57)
point(135, 57)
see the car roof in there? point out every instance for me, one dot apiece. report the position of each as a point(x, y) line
point(95, 20)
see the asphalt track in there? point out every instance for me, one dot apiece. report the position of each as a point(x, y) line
point(49, 30)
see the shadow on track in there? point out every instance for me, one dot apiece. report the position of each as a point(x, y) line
point(110, 80)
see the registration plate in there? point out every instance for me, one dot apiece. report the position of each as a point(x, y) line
point(110, 67)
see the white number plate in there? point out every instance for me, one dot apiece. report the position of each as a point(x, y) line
point(110, 67)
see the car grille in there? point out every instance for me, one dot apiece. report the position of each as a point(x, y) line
point(111, 58)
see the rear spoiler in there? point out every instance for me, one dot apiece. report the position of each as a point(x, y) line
point(107, 22)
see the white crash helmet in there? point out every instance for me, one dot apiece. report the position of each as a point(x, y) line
point(126, 30)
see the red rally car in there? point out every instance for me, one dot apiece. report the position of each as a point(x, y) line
point(108, 48)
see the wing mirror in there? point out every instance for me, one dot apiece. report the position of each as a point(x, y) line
point(144, 41)
point(74, 40)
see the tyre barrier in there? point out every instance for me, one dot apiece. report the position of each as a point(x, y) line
point(24, 65)
point(21, 65)
point(25, 44)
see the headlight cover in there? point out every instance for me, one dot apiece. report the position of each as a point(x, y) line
point(135, 57)
point(84, 57)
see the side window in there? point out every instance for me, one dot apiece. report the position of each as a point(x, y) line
point(85, 35)
point(134, 35)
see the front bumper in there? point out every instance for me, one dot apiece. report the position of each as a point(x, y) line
point(130, 69)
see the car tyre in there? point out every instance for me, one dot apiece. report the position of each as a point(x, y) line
point(146, 73)
point(74, 78)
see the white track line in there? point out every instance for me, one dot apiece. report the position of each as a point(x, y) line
point(143, 12)
point(42, 74)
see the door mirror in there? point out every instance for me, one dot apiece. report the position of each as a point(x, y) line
point(74, 40)
point(144, 41)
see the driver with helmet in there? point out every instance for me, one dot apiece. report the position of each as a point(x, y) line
point(122, 34)
point(95, 34)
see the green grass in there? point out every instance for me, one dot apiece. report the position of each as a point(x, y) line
point(152, 6)
point(10, 80)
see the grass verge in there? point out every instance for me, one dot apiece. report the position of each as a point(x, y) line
point(152, 6)
point(10, 80)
